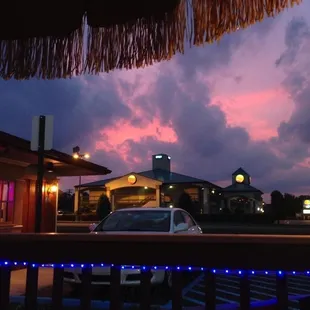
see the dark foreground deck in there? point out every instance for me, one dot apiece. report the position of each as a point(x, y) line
point(240, 259)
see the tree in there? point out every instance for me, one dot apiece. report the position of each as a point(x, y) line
point(185, 202)
point(277, 201)
point(289, 203)
point(103, 207)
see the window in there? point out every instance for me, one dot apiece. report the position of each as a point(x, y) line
point(178, 218)
point(188, 219)
point(7, 191)
point(136, 220)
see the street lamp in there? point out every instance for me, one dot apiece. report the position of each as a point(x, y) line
point(77, 155)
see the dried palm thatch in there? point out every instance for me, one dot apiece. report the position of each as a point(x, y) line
point(49, 41)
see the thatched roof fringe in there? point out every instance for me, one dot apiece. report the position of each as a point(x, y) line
point(44, 58)
point(132, 44)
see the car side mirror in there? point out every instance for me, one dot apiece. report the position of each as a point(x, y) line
point(181, 227)
point(92, 227)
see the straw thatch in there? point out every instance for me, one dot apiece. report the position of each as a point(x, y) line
point(49, 41)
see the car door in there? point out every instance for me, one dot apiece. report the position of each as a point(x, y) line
point(193, 228)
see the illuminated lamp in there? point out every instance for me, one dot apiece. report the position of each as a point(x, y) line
point(50, 167)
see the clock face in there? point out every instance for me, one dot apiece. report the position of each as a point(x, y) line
point(239, 178)
point(132, 179)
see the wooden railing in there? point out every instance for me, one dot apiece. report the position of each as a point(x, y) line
point(242, 255)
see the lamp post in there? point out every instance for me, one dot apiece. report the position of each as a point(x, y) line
point(77, 155)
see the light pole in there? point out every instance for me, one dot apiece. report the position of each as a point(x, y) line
point(77, 155)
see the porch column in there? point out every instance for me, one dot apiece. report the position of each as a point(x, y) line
point(108, 194)
point(112, 202)
point(76, 200)
point(206, 202)
point(253, 206)
point(222, 206)
point(158, 196)
point(228, 204)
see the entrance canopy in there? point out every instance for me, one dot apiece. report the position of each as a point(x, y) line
point(16, 152)
point(56, 39)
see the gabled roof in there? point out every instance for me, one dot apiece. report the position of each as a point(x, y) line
point(237, 188)
point(97, 183)
point(161, 175)
point(240, 171)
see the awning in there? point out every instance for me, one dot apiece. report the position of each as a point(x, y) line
point(56, 39)
point(16, 151)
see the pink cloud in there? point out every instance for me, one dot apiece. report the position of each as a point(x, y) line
point(259, 112)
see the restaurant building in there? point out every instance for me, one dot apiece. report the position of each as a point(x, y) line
point(158, 187)
point(18, 170)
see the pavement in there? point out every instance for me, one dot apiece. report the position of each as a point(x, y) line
point(263, 288)
point(18, 280)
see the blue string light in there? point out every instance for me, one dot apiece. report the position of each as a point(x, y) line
point(171, 268)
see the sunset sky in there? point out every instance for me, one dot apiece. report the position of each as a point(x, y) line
point(242, 102)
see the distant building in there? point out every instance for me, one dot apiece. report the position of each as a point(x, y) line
point(241, 196)
point(158, 187)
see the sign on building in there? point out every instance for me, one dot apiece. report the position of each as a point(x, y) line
point(49, 133)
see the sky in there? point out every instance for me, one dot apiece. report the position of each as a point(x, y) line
point(242, 102)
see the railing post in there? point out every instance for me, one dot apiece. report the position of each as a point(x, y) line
point(145, 289)
point(245, 291)
point(177, 286)
point(210, 290)
point(31, 287)
point(57, 288)
point(282, 291)
point(115, 288)
point(5, 279)
point(86, 288)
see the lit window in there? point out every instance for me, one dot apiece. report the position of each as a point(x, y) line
point(7, 193)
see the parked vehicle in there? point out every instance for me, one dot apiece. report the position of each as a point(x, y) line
point(137, 220)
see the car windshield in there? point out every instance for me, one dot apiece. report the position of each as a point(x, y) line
point(140, 220)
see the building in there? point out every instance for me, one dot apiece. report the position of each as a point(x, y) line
point(18, 170)
point(152, 188)
point(241, 196)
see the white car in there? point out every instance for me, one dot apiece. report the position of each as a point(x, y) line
point(137, 220)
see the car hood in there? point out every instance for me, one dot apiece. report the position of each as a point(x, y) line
point(129, 232)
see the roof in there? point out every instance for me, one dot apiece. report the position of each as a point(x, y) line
point(21, 26)
point(237, 188)
point(10, 143)
point(148, 209)
point(172, 177)
point(161, 175)
point(240, 171)
point(97, 183)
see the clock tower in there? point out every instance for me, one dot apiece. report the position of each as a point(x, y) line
point(241, 177)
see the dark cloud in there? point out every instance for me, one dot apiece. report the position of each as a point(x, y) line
point(80, 107)
point(295, 63)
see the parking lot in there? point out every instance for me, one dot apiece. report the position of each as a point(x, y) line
point(263, 287)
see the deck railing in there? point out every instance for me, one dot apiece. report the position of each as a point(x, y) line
point(242, 255)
